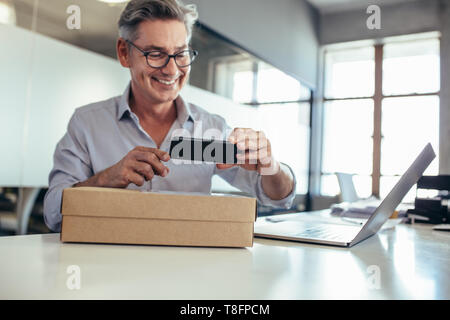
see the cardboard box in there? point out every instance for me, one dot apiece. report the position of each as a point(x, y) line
point(108, 215)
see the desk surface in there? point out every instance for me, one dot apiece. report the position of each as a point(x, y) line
point(406, 262)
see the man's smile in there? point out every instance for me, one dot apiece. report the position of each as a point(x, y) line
point(166, 82)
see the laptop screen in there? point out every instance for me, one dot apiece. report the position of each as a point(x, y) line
point(395, 196)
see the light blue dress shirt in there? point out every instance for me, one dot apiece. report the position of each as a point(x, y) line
point(100, 134)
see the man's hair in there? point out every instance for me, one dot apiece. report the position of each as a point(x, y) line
point(137, 11)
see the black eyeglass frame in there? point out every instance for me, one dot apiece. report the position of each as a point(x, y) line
point(146, 53)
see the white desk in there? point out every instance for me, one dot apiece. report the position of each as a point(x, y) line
point(414, 263)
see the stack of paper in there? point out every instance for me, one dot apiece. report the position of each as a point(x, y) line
point(362, 209)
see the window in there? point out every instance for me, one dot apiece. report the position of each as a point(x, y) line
point(233, 78)
point(394, 114)
point(287, 126)
point(345, 151)
point(350, 73)
point(411, 67)
point(275, 86)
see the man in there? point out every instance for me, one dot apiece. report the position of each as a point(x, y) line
point(123, 142)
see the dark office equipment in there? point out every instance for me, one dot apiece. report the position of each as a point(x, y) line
point(433, 210)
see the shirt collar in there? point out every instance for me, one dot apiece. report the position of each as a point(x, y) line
point(183, 110)
point(123, 103)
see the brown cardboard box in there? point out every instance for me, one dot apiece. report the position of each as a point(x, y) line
point(110, 215)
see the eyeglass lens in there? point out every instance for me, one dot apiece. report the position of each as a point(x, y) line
point(160, 59)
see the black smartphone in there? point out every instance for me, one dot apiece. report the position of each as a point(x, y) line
point(206, 150)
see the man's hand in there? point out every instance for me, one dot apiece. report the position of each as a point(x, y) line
point(254, 152)
point(139, 165)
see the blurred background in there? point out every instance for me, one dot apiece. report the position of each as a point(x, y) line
point(334, 91)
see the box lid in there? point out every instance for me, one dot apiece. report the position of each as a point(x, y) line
point(124, 203)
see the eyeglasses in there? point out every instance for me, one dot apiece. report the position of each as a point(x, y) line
point(159, 59)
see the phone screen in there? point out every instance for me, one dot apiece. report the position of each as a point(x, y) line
point(218, 151)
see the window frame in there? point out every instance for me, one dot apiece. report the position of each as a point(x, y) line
point(377, 98)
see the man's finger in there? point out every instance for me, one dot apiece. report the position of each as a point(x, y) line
point(269, 170)
point(144, 169)
point(237, 133)
point(254, 155)
point(222, 166)
point(252, 144)
point(250, 139)
point(266, 161)
point(251, 167)
point(162, 155)
point(134, 177)
point(248, 155)
point(246, 134)
point(153, 160)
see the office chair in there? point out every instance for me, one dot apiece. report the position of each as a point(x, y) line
point(348, 191)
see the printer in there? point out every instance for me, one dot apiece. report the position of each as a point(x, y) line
point(436, 209)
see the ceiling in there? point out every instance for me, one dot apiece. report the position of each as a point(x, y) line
point(98, 31)
point(333, 6)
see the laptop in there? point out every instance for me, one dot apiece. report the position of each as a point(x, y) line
point(340, 234)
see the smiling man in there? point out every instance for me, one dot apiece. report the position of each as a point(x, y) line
point(123, 142)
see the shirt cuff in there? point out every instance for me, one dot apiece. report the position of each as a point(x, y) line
point(286, 202)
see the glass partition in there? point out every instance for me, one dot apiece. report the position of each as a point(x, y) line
point(407, 105)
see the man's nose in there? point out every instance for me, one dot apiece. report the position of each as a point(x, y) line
point(171, 67)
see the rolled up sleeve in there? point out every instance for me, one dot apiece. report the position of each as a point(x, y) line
point(286, 202)
point(71, 165)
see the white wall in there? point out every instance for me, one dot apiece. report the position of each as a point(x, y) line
point(405, 18)
point(14, 76)
point(282, 32)
point(42, 82)
point(63, 77)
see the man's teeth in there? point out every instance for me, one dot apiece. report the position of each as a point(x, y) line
point(166, 82)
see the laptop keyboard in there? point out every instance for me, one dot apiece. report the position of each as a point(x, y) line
point(341, 233)
point(324, 233)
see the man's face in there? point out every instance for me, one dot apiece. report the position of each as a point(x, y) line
point(159, 85)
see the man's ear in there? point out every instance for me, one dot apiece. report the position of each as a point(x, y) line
point(123, 53)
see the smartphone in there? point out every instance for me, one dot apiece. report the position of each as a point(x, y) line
point(206, 150)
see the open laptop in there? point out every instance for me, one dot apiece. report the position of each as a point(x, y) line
point(346, 235)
